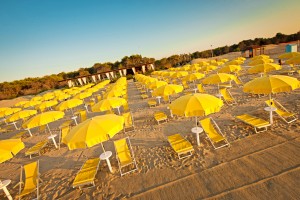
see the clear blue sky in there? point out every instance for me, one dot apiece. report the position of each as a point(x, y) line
point(46, 37)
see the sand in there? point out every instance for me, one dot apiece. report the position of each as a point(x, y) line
point(255, 166)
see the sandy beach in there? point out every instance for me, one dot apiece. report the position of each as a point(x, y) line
point(255, 166)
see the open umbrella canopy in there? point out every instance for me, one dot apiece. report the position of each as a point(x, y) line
point(197, 104)
point(114, 93)
point(271, 84)
point(107, 104)
point(9, 111)
point(235, 62)
point(21, 115)
point(48, 96)
point(230, 68)
point(264, 68)
point(259, 57)
point(46, 104)
point(10, 147)
point(208, 68)
point(36, 98)
point(156, 84)
point(218, 78)
point(4, 108)
point(193, 77)
point(289, 55)
point(294, 60)
point(260, 61)
point(31, 103)
point(94, 131)
point(21, 103)
point(71, 103)
point(43, 119)
point(83, 95)
point(167, 90)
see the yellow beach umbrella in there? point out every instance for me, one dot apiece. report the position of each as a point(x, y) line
point(260, 57)
point(21, 115)
point(167, 90)
point(289, 55)
point(114, 93)
point(208, 68)
point(107, 104)
point(21, 103)
point(264, 68)
point(234, 62)
point(94, 131)
point(4, 108)
point(48, 96)
point(224, 60)
point(192, 105)
point(62, 96)
point(31, 103)
point(218, 78)
point(36, 98)
point(46, 104)
point(260, 61)
point(193, 77)
point(43, 119)
point(83, 95)
point(9, 148)
point(156, 84)
point(271, 84)
point(230, 68)
point(179, 74)
point(9, 111)
point(69, 104)
point(294, 60)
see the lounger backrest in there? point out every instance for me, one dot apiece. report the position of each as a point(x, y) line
point(210, 130)
point(31, 177)
point(82, 115)
point(179, 144)
point(123, 151)
point(64, 131)
point(200, 88)
point(127, 119)
point(226, 94)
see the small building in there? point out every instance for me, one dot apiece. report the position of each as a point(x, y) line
point(253, 50)
point(291, 48)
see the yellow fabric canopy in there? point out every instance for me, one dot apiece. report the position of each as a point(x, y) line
point(264, 68)
point(196, 105)
point(43, 119)
point(21, 115)
point(10, 147)
point(271, 84)
point(94, 131)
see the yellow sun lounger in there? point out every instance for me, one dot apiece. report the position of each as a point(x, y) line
point(259, 124)
point(160, 117)
point(180, 145)
point(125, 156)
point(283, 113)
point(87, 173)
point(36, 149)
point(152, 103)
point(201, 88)
point(227, 96)
point(144, 96)
point(31, 179)
point(214, 133)
point(128, 122)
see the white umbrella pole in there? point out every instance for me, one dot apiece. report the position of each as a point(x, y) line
point(102, 147)
point(196, 122)
point(49, 129)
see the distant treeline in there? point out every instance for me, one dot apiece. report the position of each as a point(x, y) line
point(32, 86)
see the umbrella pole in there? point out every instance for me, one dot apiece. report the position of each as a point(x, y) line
point(196, 122)
point(102, 147)
point(49, 129)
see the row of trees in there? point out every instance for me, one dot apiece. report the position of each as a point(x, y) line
point(29, 86)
